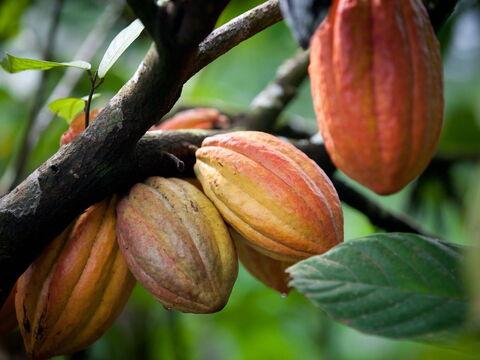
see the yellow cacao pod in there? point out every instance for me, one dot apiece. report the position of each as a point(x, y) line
point(8, 318)
point(277, 198)
point(269, 271)
point(376, 78)
point(75, 290)
point(177, 245)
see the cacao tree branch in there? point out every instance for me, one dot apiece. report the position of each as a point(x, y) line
point(235, 31)
point(96, 163)
point(376, 214)
point(272, 101)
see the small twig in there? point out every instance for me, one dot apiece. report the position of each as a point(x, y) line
point(272, 101)
point(93, 85)
point(229, 35)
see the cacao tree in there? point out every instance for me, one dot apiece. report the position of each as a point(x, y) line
point(151, 183)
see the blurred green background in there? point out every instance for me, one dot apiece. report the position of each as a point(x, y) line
point(257, 322)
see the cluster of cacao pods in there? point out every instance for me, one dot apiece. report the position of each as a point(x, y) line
point(256, 196)
point(376, 79)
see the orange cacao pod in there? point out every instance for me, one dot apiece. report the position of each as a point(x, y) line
point(8, 318)
point(177, 245)
point(277, 198)
point(377, 89)
point(269, 271)
point(75, 290)
point(77, 126)
point(198, 118)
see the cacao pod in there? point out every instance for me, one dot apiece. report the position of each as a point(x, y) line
point(77, 126)
point(376, 79)
point(8, 318)
point(177, 245)
point(198, 118)
point(75, 290)
point(269, 271)
point(277, 198)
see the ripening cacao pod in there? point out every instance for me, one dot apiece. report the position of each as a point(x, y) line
point(77, 126)
point(276, 197)
point(8, 318)
point(376, 78)
point(75, 290)
point(177, 245)
point(269, 271)
point(198, 118)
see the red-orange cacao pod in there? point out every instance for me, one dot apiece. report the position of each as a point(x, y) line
point(8, 318)
point(377, 87)
point(198, 118)
point(75, 290)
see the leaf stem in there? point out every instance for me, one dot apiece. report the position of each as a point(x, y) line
point(93, 85)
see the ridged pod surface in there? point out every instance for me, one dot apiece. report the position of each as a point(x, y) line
point(277, 198)
point(75, 290)
point(377, 87)
point(8, 318)
point(198, 118)
point(177, 245)
point(269, 271)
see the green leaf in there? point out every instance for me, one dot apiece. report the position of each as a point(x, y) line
point(392, 285)
point(67, 108)
point(119, 44)
point(13, 64)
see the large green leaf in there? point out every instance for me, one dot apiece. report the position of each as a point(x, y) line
point(393, 285)
point(13, 64)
